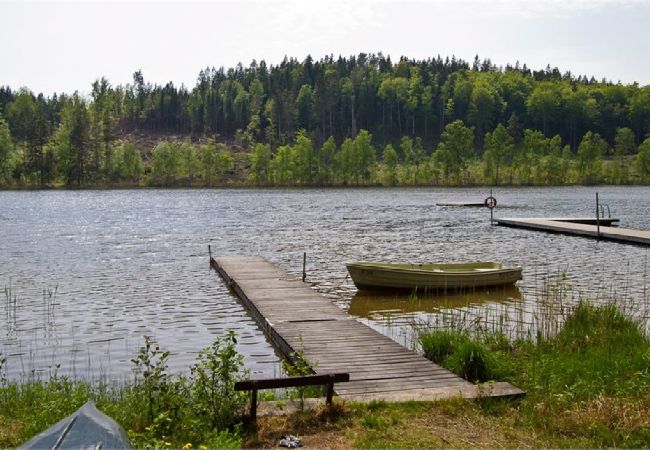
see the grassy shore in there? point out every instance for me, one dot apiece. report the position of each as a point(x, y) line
point(587, 386)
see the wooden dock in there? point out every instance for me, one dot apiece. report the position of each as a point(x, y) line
point(298, 320)
point(463, 204)
point(585, 227)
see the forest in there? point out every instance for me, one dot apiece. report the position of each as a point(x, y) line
point(358, 120)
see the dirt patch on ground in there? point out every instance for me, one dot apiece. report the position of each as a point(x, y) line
point(413, 425)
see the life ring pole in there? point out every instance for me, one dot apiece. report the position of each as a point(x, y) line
point(597, 218)
point(491, 203)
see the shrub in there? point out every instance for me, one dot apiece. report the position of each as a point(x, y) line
point(470, 360)
point(439, 344)
point(218, 368)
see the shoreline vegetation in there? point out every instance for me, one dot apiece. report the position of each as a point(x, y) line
point(346, 121)
point(585, 370)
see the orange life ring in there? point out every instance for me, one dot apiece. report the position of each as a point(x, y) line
point(490, 202)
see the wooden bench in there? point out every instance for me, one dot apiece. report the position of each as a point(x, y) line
point(276, 383)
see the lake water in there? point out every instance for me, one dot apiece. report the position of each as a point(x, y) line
point(87, 274)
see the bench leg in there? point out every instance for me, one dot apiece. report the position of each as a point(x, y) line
point(330, 390)
point(254, 404)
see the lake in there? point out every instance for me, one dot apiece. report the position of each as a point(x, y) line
point(87, 274)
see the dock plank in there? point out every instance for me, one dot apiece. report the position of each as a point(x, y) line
point(297, 319)
point(579, 227)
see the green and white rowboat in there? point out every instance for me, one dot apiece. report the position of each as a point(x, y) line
point(374, 275)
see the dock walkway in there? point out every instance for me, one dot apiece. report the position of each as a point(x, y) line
point(580, 227)
point(298, 319)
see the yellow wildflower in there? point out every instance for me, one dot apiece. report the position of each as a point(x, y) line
point(187, 446)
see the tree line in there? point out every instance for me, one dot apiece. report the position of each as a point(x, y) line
point(356, 120)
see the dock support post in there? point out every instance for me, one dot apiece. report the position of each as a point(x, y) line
point(597, 217)
point(304, 266)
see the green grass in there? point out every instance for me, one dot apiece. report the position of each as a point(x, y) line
point(157, 410)
point(587, 385)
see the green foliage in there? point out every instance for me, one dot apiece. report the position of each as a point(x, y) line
point(40, 405)
point(598, 351)
point(30, 129)
point(157, 386)
point(63, 139)
point(499, 146)
point(189, 161)
point(218, 368)
point(356, 159)
point(389, 160)
point(588, 382)
point(215, 161)
point(590, 157)
point(643, 160)
point(7, 160)
point(72, 142)
point(261, 161)
point(128, 164)
point(298, 365)
point(544, 103)
point(455, 151)
point(304, 160)
point(471, 361)
point(158, 410)
point(463, 355)
point(305, 112)
point(326, 156)
point(282, 166)
point(437, 345)
point(166, 163)
point(555, 164)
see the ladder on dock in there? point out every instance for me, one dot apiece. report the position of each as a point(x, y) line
point(298, 320)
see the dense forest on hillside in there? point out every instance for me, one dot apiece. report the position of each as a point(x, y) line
point(357, 120)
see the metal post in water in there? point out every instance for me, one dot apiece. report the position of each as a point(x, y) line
point(304, 266)
point(491, 212)
point(210, 251)
point(597, 217)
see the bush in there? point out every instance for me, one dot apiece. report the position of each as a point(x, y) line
point(471, 361)
point(439, 344)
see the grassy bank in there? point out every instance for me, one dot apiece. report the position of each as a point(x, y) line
point(158, 409)
point(588, 385)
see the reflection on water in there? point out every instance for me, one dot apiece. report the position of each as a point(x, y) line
point(120, 265)
point(378, 304)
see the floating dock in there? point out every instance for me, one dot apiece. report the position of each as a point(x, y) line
point(298, 320)
point(580, 226)
point(463, 204)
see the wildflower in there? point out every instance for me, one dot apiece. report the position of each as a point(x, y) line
point(167, 444)
point(187, 446)
point(203, 447)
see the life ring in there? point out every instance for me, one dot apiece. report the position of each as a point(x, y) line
point(490, 202)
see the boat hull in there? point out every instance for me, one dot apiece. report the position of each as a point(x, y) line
point(368, 276)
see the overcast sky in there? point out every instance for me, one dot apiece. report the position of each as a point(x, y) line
point(63, 46)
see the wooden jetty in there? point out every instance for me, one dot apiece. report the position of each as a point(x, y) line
point(463, 204)
point(298, 320)
point(586, 227)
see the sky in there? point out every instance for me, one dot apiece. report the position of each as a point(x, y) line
point(53, 46)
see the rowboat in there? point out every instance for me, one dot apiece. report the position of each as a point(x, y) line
point(87, 427)
point(376, 275)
